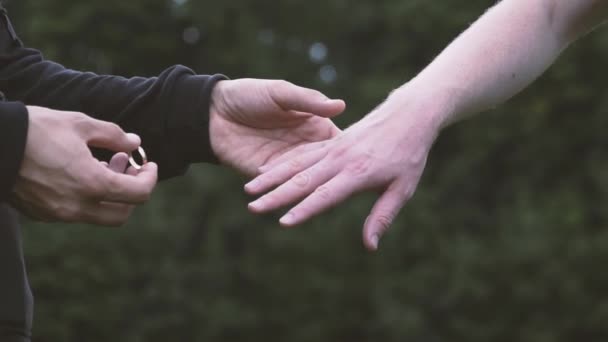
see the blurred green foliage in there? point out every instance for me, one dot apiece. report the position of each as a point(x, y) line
point(505, 240)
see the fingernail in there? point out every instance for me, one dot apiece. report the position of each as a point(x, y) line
point(288, 219)
point(251, 186)
point(134, 138)
point(255, 206)
point(375, 240)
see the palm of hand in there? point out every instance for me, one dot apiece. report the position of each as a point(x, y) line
point(250, 131)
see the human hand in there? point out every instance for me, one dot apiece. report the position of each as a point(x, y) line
point(254, 121)
point(120, 163)
point(60, 180)
point(385, 151)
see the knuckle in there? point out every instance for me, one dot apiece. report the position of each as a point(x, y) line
point(294, 164)
point(82, 123)
point(111, 130)
point(93, 185)
point(301, 179)
point(338, 151)
point(343, 151)
point(359, 166)
point(323, 192)
point(114, 129)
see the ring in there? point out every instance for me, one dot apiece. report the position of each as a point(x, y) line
point(144, 159)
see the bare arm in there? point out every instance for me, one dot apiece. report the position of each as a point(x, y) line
point(504, 51)
point(510, 46)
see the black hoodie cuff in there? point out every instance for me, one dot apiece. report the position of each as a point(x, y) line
point(190, 135)
point(14, 120)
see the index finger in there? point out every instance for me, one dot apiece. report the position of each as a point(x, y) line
point(129, 188)
point(292, 97)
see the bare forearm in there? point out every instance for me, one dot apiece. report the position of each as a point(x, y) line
point(499, 55)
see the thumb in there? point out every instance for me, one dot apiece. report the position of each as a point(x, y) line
point(294, 98)
point(110, 136)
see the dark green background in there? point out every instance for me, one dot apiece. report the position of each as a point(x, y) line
point(506, 239)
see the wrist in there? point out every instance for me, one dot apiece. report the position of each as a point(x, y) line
point(218, 98)
point(217, 122)
point(432, 107)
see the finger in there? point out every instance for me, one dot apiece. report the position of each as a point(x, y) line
point(293, 98)
point(119, 162)
point(283, 172)
point(107, 135)
point(129, 189)
point(297, 118)
point(296, 188)
point(105, 164)
point(324, 197)
point(291, 154)
point(334, 131)
point(132, 171)
point(382, 216)
point(106, 214)
point(300, 115)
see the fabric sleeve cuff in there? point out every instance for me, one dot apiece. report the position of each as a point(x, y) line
point(14, 120)
point(190, 133)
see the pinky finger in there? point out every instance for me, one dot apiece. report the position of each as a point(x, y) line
point(382, 216)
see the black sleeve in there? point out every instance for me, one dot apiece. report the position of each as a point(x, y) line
point(13, 135)
point(170, 112)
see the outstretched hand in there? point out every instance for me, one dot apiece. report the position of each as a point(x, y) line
point(252, 121)
point(386, 152)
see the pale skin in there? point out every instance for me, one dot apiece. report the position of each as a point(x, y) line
point(498, 56)
point(251, 123)
point(60, 180)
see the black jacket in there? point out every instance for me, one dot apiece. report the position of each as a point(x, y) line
point(170, 113)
